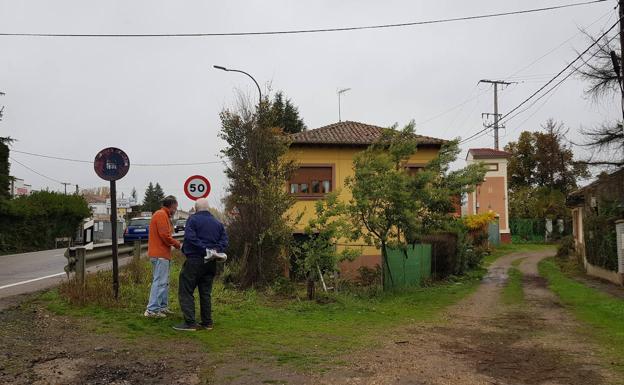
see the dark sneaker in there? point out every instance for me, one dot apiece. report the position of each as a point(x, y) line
point(205, 326)
point(186, 327)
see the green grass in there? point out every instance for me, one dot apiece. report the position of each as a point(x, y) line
point(509, 248)
point(602, 312)
point(301, 333)
point(512, 292)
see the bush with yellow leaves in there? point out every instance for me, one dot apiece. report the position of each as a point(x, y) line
point(478, 222)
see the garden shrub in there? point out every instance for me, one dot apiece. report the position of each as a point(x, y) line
point(32, 223)
point(600, 235)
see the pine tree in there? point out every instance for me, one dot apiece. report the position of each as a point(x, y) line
point(159, 194)
point(285, 115)
point(149, 202)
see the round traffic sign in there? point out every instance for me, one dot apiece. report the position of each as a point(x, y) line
point(196, 187)
point(111, 164)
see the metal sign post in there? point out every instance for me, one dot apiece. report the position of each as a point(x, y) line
point(112, 164)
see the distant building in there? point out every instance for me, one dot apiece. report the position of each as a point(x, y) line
point(492, 194)
point(18, 188)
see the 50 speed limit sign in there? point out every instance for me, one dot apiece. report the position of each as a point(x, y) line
point(196, 187)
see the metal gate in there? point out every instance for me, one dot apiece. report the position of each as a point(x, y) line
point(494, 232)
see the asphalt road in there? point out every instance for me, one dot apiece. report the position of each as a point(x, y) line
point(30, 272)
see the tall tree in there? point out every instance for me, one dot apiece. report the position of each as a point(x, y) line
point(542, 159)
point(257, 172)
point(541, 172)
point(285, 115)
point(606, 140)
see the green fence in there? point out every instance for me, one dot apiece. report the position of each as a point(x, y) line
point(407, 267)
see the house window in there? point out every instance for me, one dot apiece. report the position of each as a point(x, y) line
point(491, 166)
point(326, 186)
point(316, 187)
point(414, 169)
point(312, 181)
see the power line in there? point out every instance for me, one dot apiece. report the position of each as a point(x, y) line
point(35, 171)
point(579, 56)
point(302, 31)
point(133, 164)
point(558, 46)
point(515, 77)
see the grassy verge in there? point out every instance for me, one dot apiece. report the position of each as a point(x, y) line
point(604, 313)
point(512, 292)
point(509, 248)
point(307, 335)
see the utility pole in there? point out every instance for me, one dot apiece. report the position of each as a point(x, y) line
point(65, 184)
point(618, 65)
point(497, 116)
point(340, 92)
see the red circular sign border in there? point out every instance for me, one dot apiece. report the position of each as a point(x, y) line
point(188, 181)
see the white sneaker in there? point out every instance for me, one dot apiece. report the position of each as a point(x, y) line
point(151, 314)
point(166, 311)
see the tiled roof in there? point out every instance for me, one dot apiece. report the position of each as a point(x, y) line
point(349, 133)
point(488, 153)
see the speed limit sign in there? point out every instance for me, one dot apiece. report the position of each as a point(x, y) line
point(196, 187)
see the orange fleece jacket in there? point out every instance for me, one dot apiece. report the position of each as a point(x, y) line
point(160, 235)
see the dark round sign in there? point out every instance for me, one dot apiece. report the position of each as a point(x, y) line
point(111, 164)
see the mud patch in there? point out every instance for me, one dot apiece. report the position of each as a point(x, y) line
point(57, 371)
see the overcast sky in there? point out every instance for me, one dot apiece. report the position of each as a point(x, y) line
point(159, 98)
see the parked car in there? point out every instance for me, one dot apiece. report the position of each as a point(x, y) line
point(180, 225)
point(137, 230)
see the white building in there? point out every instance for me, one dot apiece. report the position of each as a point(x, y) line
point(19, 188)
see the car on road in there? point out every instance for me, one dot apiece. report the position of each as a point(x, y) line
point(180, 225)
point(137, 230)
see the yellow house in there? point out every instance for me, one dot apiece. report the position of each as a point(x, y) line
point(325, 159)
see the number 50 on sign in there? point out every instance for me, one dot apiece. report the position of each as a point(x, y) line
point(196, 187)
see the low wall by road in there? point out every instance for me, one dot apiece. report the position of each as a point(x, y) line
point(602, 273)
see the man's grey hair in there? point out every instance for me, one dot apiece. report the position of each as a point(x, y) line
point(202, 205)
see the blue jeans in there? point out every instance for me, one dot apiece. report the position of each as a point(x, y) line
point(159, 293)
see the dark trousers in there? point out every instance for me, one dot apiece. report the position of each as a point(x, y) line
point(196, 274)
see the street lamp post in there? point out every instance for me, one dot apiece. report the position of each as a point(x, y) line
point(242, 72)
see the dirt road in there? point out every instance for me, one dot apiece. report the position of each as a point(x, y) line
point(487, 342)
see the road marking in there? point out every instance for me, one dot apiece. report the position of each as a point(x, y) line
point(31, 280)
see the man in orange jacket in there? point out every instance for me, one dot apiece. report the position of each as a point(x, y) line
point(159, 246)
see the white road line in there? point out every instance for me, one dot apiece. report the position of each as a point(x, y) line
point(31, 280)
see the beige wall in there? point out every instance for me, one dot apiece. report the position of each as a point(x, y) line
point(492, 194)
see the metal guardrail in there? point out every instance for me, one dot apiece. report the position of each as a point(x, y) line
point(78, 257)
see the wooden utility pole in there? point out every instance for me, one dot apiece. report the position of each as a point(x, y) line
point(495, 83)
point(65, 185)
